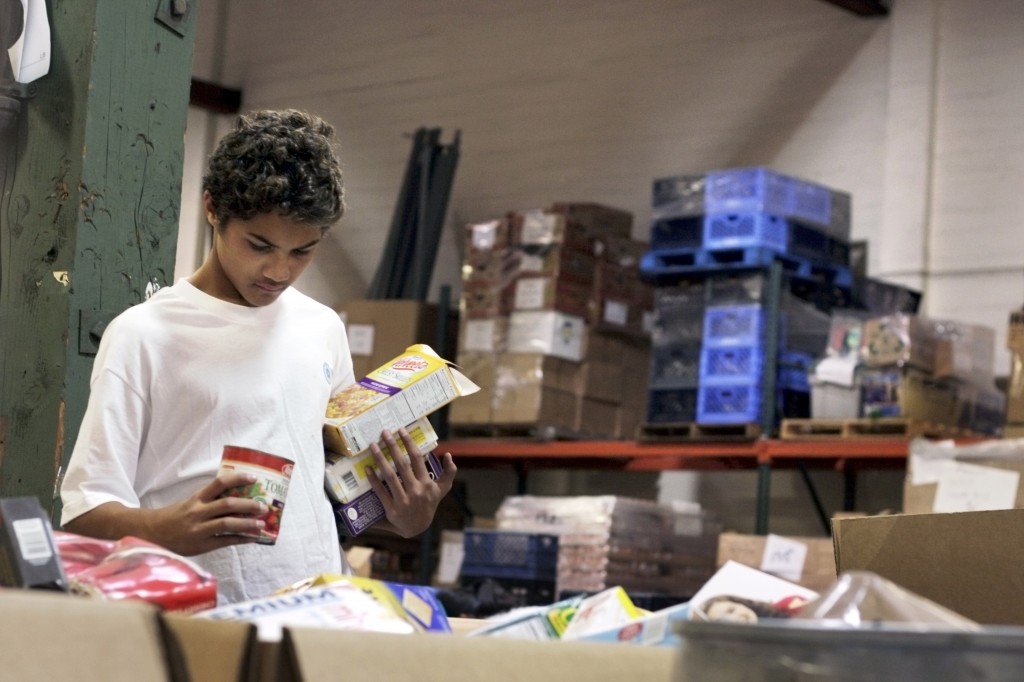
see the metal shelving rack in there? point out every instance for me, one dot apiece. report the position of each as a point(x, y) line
point(847, 456)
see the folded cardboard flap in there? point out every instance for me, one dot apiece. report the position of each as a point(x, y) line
point(215, 651)
point(321, 654)
point(968, 561)
point(61, 637)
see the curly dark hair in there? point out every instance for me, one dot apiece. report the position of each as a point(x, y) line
point(280, 162)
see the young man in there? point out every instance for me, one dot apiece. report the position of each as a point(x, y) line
point(234, 356)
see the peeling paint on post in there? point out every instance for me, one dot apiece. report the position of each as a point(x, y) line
point(88, 231)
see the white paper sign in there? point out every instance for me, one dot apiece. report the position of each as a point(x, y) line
point(450, 562)
point(530, 293)
point(616, 312)
point(479, 335)
point(30, 53)
point(969, 487)
point(360, 339)
point(784, 557)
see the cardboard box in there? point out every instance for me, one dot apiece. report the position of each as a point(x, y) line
point(28, 554)
point(481, 368)
point(379, 330)
point(486, 236)
point(320, 654)
point(214, 651)
point(942, 477)
point(410, 386)
point(548, 333)
point(550, 293)
point(53, 636)
point(1015, 389)
point(968, 562)
point(806, 561)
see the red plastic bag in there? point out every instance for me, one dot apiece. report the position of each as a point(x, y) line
point(131, 568)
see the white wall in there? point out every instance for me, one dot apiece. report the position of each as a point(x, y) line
point(916, 115)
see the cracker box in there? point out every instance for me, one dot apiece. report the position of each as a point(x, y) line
point(365, 510)
point(353, 499)
point(394, 395)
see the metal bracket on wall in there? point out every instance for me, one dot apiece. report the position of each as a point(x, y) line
point(91, 325)
point(174, 14)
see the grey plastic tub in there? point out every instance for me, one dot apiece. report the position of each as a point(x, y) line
point(791, 651)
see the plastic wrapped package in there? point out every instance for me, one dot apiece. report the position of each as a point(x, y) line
point(131, 568)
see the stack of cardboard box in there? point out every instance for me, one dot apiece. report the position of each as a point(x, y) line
point(553, 315)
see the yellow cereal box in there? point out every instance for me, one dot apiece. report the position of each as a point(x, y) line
point(394, 395)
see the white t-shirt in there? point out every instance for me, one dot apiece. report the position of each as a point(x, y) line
point(184, 374)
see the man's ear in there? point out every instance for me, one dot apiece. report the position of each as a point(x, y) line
point(208, 209)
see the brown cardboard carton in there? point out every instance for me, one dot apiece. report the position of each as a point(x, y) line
point(968, 562)
point(597, 418)
point(475, 408)
point(817, 569)
point(970, 475)
point(379, 330)
point(215, 651)
point(51, 636)
point(320, 654)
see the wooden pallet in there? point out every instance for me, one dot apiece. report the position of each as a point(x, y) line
point(867, 427)
point(683, 431)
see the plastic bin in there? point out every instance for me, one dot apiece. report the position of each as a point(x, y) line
point(801, 651)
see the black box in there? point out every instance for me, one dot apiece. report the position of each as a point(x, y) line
point(28, 553)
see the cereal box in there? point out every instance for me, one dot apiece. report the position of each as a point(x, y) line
point(394, 395)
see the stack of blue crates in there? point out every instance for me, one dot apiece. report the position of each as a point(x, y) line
point(709, 232)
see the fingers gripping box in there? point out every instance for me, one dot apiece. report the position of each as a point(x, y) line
point(355, 504)
point(394, 395)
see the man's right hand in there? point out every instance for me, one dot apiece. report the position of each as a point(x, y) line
point(203, 522)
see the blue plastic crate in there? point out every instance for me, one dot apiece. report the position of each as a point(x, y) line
point(734, 325)
point(761, 189)
point(677, 232)
point(509, 554)
point(730, 230)
point(729, 404)
point(730, 364)
point(672, 405)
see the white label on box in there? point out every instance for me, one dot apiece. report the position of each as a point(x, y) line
point(450, 563)
point(538, 228)
point(616, 312)
point(530, 293)
point(547, 333)
point(360, 339)
point(784, 557)
point(31, 536)
point(483, 236)
point(969, 487)
point(479, 335)
point(929, 460)
point(531, 263)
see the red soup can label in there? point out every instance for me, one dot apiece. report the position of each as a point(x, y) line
point(273, 473)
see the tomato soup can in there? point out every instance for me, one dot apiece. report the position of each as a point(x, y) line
point(273, 473)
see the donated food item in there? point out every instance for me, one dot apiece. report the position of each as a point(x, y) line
point(413, 385)
point(354, 501)
point(272, 473)
point(418, 602)
point(27, 555)
point(348, 603)
point(135, 569)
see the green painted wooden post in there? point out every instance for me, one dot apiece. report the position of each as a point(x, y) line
point(88, 214)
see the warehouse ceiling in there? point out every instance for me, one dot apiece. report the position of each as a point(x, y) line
point(864, 8)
